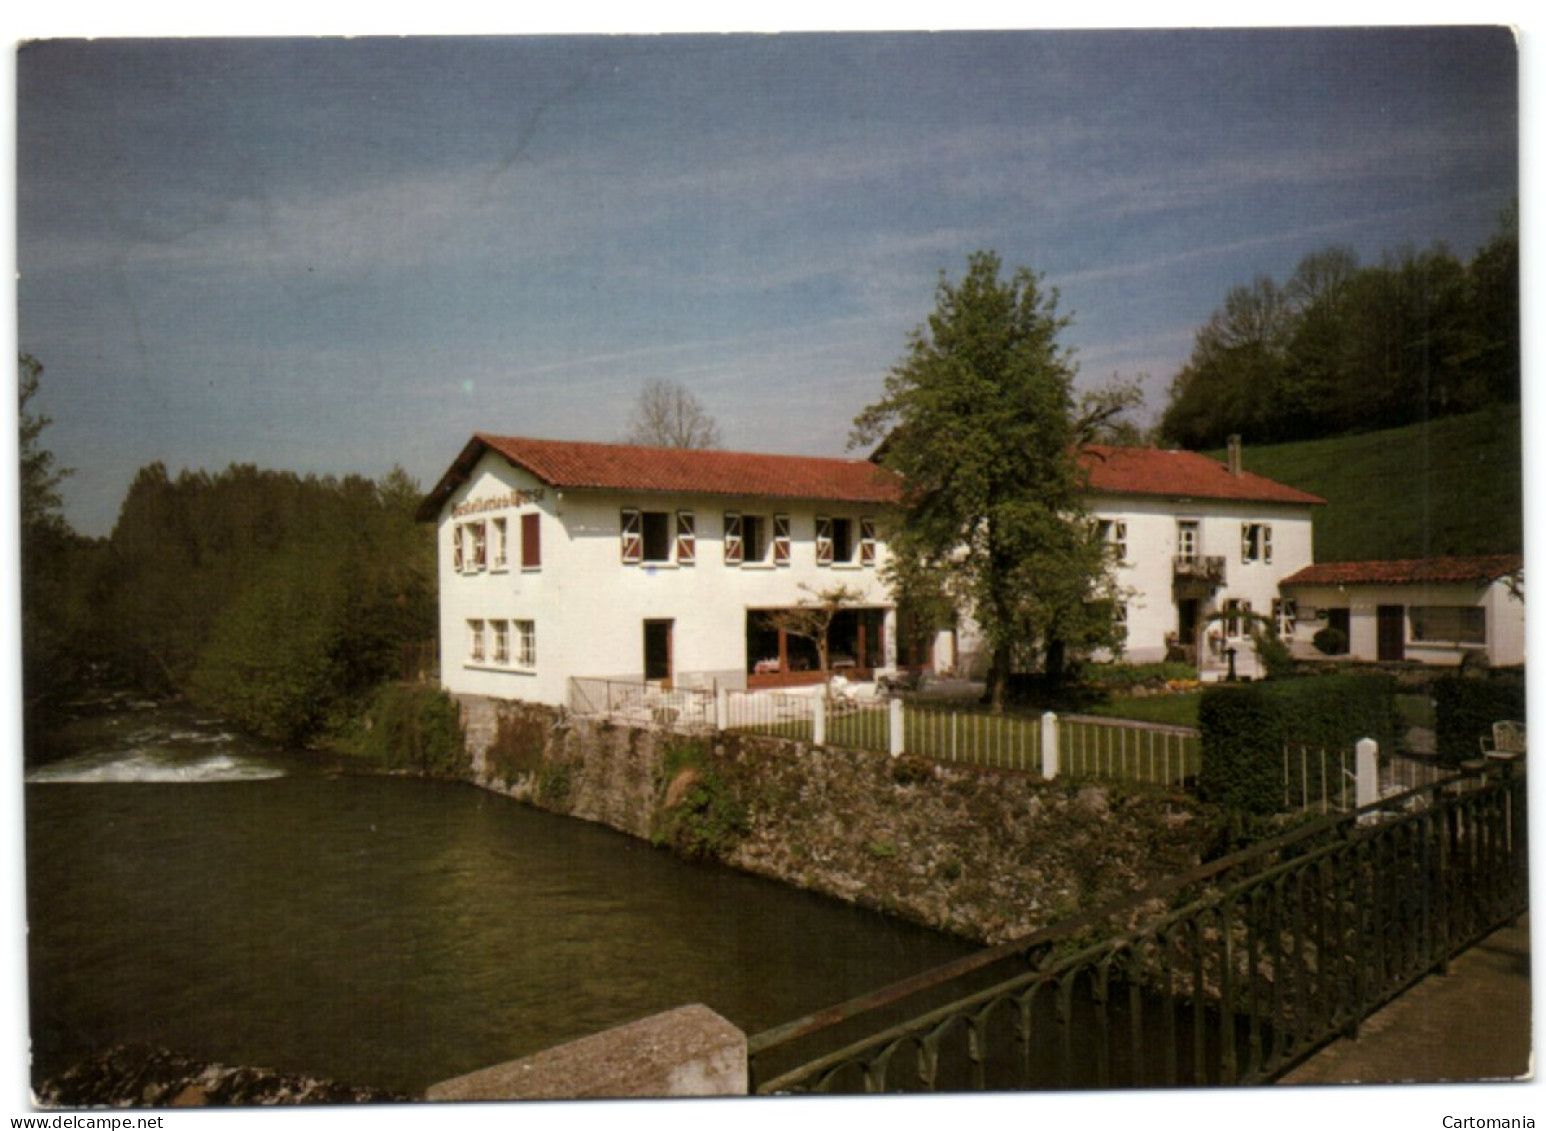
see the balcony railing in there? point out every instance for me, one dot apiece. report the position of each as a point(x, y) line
point(1196, 568)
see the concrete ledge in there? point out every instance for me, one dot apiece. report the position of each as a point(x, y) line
point(691, 1051)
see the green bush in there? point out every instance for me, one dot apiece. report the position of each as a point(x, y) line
point(1124, 676)
point(1465, 710)
point(416, 728)
point(710, 818)
point(1245, 726)
point(1330, 642)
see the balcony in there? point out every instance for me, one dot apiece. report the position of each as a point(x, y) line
point(1199, 572)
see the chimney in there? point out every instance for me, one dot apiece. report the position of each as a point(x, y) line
point(1234, 455)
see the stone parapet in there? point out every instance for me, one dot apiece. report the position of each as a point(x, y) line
point(691, 1051)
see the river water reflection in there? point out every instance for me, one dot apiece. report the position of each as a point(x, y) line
point(191, 889)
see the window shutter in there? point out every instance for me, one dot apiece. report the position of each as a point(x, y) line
point(735, 544)
point(1121, 529)
point(633, 537)
point(531, 541)
point(866, 541)
point(823, 540)
point(456, 548)
point(1245, 541)
point(1266, 544)
point(479, 545)
point(781, 539)
point(686, 539)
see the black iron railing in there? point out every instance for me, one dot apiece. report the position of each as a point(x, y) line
point(1230, 974)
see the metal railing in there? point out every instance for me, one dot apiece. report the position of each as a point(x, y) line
point(634, 703)
point(1091, 746)
point(1324, 779)
point(1230, 974)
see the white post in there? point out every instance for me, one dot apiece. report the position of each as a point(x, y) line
point(1367, 791)
point(898, 745)
point(722, 709)
point(819, 721)
point(1049, 746)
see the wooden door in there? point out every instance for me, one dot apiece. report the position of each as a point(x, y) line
point(1390, 621)
point(657, 651)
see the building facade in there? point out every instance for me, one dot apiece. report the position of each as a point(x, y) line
point(607, 561)
point(1192, 541)
point(1428, 610)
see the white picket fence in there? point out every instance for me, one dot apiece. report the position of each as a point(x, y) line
point(1327, 779)
point(1080, 746)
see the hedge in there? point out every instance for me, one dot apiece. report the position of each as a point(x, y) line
point(1245, 726)
point(415, 728)
point(1465, 709)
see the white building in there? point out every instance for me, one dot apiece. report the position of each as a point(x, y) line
point(1431, 610)
point(562, 559)
point(1193, 539)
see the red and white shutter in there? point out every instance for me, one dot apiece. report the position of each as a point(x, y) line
point(686, 539)
point(633, 537)
point(866, 541)
point(823, 540)
point(781, 539)
point(735, 543)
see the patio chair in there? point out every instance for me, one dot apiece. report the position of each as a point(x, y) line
point(1507, 742)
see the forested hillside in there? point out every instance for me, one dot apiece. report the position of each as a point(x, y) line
point(1343, 347)
point(1449, 486)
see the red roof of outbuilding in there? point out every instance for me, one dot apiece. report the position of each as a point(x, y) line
point(1177, 474)
point(625, 467)
point(1409, 571)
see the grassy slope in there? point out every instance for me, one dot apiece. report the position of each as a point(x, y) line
point(1453, 486)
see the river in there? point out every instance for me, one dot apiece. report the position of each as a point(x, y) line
point(192, 888)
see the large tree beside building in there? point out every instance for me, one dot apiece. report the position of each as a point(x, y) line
point(979, 420)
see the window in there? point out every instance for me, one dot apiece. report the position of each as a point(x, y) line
point(1188, 544)
point(646, 537)
point(686, 539)
point(1255, 542)
point(835, 544)
point(1237, 618)
point(657, 536)
point(1112, 533)
point(1285, 614)
point(501, 641)
point(531, 541)
point(749, 539)
point(525, 643)
point(501, 533)
point(475, 641)
point(1447, 624)
point(781, 539)
point(842, 540)
point(478, 559)
point(457, 555)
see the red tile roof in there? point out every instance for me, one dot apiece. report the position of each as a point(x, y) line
point(1176, 474)
point(1409, 571)
point(624, 467)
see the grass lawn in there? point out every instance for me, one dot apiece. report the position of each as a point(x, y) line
point(1451, 486)
point(1179, 710)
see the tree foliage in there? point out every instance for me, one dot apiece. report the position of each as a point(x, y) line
point(54, 591)
point(666, 415)
point(979, 421)
point(812, 618)
point(278, 599)
point(1341, 347)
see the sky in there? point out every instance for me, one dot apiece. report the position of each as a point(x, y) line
point(337, 255)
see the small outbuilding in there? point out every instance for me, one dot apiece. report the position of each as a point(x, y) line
point(1428, 610)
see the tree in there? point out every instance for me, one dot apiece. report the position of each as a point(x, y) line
point(812, 620)
point(41, 506)
point(667, 416)
point(979, 422)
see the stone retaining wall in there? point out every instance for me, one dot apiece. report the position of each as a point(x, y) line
point(989, 855)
